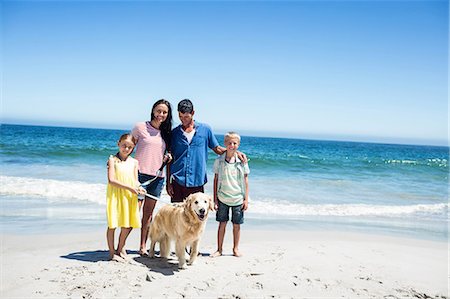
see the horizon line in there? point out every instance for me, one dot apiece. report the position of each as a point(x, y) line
point(251, 133)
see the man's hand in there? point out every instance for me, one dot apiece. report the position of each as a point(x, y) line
point(242, 157)
point(219, 150)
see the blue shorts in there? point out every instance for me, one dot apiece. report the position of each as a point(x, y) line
point(237, 214)
point(155, 187)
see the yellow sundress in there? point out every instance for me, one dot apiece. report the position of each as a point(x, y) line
point(122, 208)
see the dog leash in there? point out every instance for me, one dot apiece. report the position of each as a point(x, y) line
point(158, 173)
point(155, 198)
point(151, 196)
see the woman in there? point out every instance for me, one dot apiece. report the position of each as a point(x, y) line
point(153, 140)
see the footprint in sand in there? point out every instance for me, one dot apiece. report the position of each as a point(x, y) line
point(296, 280)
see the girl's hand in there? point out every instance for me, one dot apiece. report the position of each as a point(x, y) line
point(141, 191)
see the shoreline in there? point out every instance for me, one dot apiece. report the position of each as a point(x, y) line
point(278, 263)
point(378, 227)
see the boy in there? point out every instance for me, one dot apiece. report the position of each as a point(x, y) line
point(230, 192)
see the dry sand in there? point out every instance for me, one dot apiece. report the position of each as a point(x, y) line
point(276, 264)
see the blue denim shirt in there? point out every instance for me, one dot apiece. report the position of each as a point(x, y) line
point(189, 160)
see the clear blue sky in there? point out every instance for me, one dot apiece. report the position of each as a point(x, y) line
point(343, 70)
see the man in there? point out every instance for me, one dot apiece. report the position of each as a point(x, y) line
point(190, 142)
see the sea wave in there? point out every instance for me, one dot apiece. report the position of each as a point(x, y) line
point(338, 162)
point(70, 191)
point(56, 190)
point(268, 207)
point(52, 190)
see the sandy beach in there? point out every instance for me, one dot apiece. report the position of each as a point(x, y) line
point(276, 264)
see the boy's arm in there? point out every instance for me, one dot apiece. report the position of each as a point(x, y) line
point(245, 203)
point(112, 178)
point(216, 199)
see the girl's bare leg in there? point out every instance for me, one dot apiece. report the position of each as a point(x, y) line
point(110, 240)
point(124, 233)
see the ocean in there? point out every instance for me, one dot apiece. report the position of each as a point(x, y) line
point(53, 180)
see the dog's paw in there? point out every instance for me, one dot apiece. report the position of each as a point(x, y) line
point(182, 266)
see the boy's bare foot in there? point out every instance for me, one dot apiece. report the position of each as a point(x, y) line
point(216, 254)
point(116, 258)
point(236, 253)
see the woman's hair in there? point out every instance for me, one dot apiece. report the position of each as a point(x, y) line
point(128, 136)
point(166, 126)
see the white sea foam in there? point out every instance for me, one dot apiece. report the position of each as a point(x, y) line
point(54, 190)
point(269, 207)
point(402, 161)
point(70, 191)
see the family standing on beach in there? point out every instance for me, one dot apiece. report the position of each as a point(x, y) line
point(185, 151)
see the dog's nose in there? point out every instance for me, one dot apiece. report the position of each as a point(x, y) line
point(202, 211)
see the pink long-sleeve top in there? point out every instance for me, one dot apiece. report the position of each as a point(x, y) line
point(150, 148)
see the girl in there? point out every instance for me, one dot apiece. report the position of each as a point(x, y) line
point(153, 139)
point(121, 196)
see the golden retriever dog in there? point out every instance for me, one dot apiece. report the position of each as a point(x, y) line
point(183, 223)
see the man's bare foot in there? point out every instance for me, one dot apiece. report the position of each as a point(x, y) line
point(116, 258)
point(236, 253)
point(216, 254)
